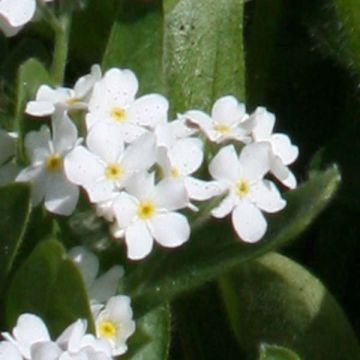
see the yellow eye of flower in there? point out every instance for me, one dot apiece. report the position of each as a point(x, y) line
point(72, 101)
point(174, 173)
point(107, 329)
point(113, 172)
point(146, 210)
point(118, 114)
point(54, 163)
point(242, 188)
point(223, 129)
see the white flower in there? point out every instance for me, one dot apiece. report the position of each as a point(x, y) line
point(114, 323)
point(15, 14)
point(228, 121)
point(102, 288)
point(146, 212)
point(46, 170)
point(181, 160)
point(107, 166)
point(30, 340)
point(8, 170)
point(283, 153)
point(48, 99)
point(113, 100)
point(248, 193)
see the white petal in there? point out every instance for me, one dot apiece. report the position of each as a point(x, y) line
point(248, 222)
point(64, 133)
point(282, 147)
point(267, 197)
point(61, 195)
point(131, 132)
point(142, 186)
point(101, 190)
point(224, 208)
point(290, 181)
point(45, 351)
point(225, 164)
point(187, 155)
point(106, 285)
point(29, 330)
point(71, 337)
point(106, 141)
point(82, 167)
point(118, 308)
point(37, 144)
point(138, 240)
point(125, 207)
point(39, 108)
point(254, 160)
point(87, 262)
point(265, 122)
point(228, 110)
point(170, 229)
point(17, 13)
point(200, 189)
point(85, 84)
point(199, 118)
point(141, 154)
point(149, 110)
point(8, 351)
point(121, 86)
point(171, 195)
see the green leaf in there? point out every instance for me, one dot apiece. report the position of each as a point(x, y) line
point(152, 337)
point(275, 300)
point(31, 75)
point(274, 352)
point(348, 12)
point(48, 284)
point(136, 43)
point(14, 216)
point(213, 250)
point(203, 52)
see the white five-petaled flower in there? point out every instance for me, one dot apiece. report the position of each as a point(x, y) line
point(113, 100)
point(48, 100)
point(46, 170)
point(30, 340)
point(248, 193)
point(181, 159)
point(147, 211)
point(283, 152)
point(100, 288)
point(114, 323)
point(228, 121)
point(106, 166)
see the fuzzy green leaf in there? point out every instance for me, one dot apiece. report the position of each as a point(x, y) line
point(212, 251)
point(203, 52)
point(135, 42)
point(50, 285)
point(152, 337)
point(274, 352)
point(275, 300)
point(14, 215)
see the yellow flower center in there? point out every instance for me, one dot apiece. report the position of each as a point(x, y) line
point(242, 188)
point(72, 101)
point(107, 329)
point(118, 114)
point(113, 172)
point(223, 129)
point(146, 210)
point(54, 163)
point(174, 173)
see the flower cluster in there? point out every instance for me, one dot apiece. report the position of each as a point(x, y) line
point(144, 173)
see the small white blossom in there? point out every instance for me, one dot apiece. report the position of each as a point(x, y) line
point(113, 101)
point(248, 193)
point(48, 99)
point(114, 323)
point(106, 166)
point(147, 211)
point(228, 121)
point(46, 170)
point(9, 351)
point(283, 152)
point(102, 288)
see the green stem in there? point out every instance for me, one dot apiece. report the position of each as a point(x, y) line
point(61, 48)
